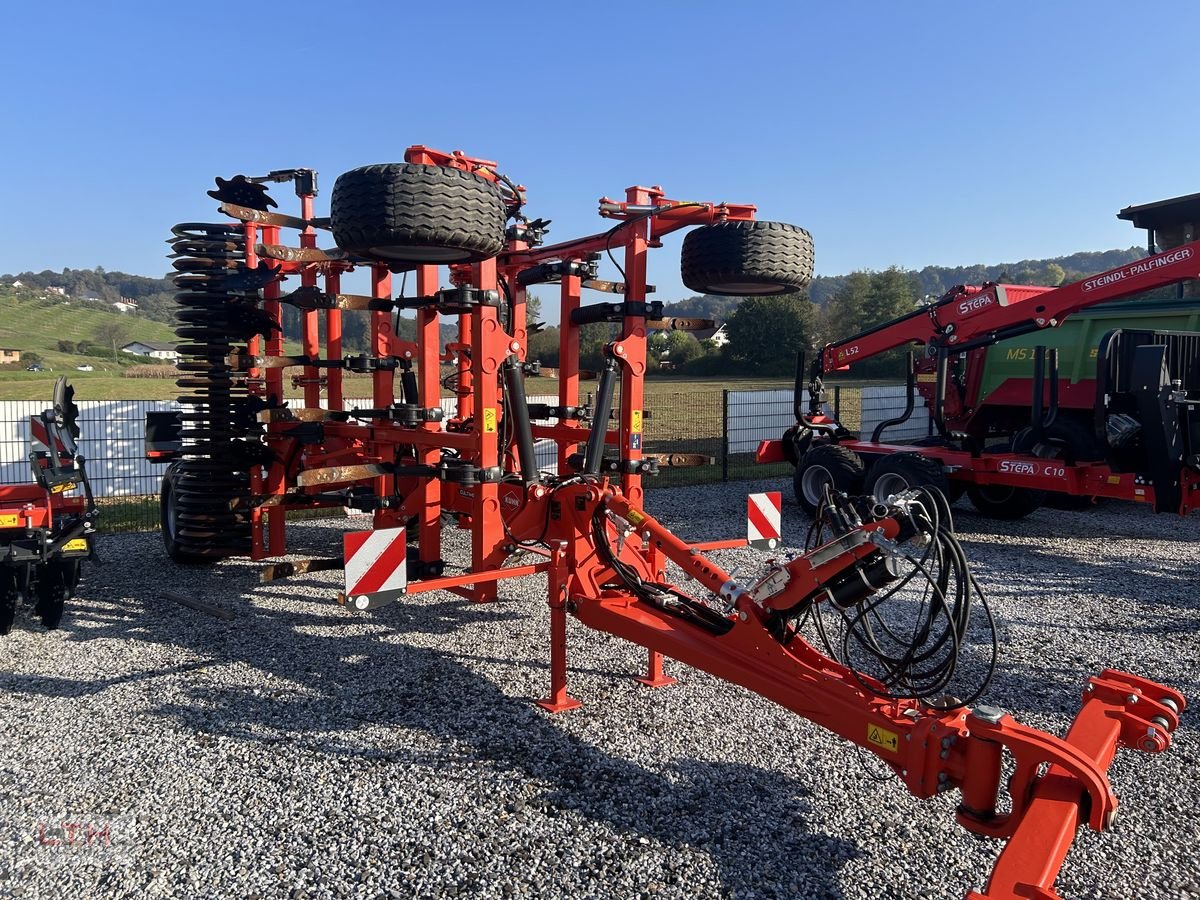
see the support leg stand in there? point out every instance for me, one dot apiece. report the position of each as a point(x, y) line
point(559, 700)
point(655, 677)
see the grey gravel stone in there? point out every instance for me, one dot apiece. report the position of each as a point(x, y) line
point(301, 751)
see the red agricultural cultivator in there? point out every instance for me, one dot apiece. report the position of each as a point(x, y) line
point(241, 456)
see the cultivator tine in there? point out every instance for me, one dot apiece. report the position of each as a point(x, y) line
point(341, 474)
point(290, 568)
point(289, 414)
point(259, 217)
point(674, 323)
point(314, 298)
point(300, 254)
point(680, 460)
point(243, 362)
point(612, 287)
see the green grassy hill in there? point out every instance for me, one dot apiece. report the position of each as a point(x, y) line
point(30, 323)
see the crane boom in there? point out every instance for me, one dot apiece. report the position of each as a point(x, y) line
point(966, 317)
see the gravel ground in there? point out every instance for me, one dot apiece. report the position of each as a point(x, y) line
point(299, 752)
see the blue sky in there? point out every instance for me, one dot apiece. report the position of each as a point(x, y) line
point(899, 134)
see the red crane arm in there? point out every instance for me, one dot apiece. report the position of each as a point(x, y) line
point(969, 317)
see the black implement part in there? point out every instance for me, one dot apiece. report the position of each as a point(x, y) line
point(1160, 425)
point(517, 410)
point(612, 465)
point(242, 191)
point(615, 312)
point(451, 300)
point(556, 271)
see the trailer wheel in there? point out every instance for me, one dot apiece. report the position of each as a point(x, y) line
point(1001, 501)
point(826, 464)
point(408, 213)
point(1063, 433)
point(56, 581)
point(8, 598)
point(169, 521)
point(742, 259)
point(899, 472)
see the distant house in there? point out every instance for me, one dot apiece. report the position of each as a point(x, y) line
point(57, 291)
point(717, 335)
point(9, 355)
point(155, 349)
point(18, 284)
point(125, 306)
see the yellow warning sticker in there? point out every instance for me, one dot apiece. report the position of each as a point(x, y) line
point(881, 737)
point(63, 488)
point(10, 521)
point(77, 544)
point(633, 517)
point(635, 419)
point(489, 420)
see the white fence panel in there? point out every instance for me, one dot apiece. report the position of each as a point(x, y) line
point(112, 434)
point(878, 404)
point(755, 416)
point(111, 442)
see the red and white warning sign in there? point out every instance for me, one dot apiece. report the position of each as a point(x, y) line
point(763, 520)
point(376, 566)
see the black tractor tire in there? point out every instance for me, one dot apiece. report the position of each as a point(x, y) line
point(1001, 501)
point(56, 582)
point(899, 472)
point(407, 214)
point(747, 259)
point(8, 598)
point(1064, 432)
point(169, 508)
point(823, 464)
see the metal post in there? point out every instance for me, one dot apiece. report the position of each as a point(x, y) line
point(725, 434)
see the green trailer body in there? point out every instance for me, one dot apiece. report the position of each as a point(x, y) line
point(1008, 365)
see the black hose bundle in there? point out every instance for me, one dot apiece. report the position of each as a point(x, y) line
point(666, 597)
point(930, 635)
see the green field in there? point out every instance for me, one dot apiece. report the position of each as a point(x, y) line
point(37, 325)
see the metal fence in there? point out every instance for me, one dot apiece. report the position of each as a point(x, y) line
point(723, 425)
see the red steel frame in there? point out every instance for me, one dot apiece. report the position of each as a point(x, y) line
point(931, 750)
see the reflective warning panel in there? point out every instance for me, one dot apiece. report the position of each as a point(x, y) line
point(763, 520)
point(376, 566)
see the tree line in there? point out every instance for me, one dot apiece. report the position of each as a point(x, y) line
point(764, 333)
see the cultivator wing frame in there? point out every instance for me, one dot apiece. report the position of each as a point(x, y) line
point(244, 458)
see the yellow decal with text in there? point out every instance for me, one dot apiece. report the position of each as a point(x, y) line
point(10, 521)
point(63, 488)
point(489, 420)
point(881, 737)
point(636, 421)
point(77, 544)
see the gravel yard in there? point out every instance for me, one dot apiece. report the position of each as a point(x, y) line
point(297, 751)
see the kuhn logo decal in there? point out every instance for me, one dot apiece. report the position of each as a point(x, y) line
point(975, 303)
point(1138, 268)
